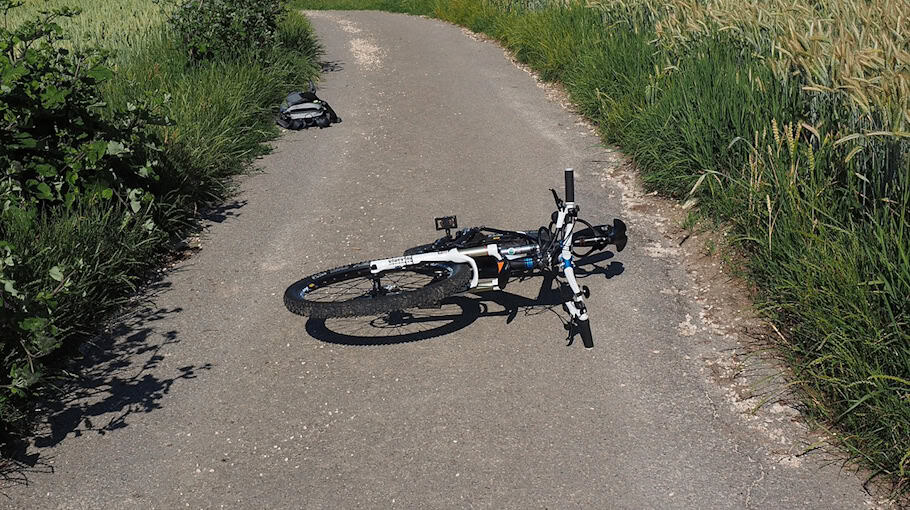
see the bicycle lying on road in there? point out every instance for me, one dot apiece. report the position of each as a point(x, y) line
point(474, 259)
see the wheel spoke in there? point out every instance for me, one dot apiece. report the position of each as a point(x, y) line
point(364, 286)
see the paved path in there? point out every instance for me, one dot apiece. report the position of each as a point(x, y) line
point(214, 396)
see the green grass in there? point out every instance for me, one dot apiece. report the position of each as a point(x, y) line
point(220, 114)
point(826, 230)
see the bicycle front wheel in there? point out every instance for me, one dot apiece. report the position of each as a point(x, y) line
point(352, 291)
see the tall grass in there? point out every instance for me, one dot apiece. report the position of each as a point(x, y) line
point(219, 114)
point(785, 119)
point(856, 49)
point(849, 59)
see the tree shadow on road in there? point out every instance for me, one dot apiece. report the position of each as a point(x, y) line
point(116, 380)
point(113, 377)
point(455, 313)
point(17, 464)
point(331, 66)
point(223, 212)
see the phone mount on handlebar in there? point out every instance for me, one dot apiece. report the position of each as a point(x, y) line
point(447, 223)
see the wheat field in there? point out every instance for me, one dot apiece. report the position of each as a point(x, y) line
point(108, 24)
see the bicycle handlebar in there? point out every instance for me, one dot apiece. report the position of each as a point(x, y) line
point(584, 328)
point(570, 185)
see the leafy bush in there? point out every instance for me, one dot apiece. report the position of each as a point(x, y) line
point(57, 145)
point(59, 150)
point(120, 184)
point(222, 28)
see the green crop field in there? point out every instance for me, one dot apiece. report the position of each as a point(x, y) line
point(112, 24)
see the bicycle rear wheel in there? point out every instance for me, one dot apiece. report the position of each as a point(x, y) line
point(352, 291)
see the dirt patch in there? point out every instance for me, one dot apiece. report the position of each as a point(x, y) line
point(366, 53)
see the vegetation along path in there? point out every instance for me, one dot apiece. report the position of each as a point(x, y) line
point(216, 396)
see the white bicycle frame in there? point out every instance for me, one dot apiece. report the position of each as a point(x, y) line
point(575, 306)
point(453, 255)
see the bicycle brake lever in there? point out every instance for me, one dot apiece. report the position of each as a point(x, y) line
point(559, 202)
point(570, 330)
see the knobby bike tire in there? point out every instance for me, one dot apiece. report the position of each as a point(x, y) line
point(447, 279)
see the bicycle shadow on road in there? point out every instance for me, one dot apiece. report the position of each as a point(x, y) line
point(454, 313)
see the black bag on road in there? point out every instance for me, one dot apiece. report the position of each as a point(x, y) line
point(302, 110)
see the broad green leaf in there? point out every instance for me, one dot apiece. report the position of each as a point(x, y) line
point(100, 73)
point(52, 97)
point(10, 289)
point(115, 148)
point(32, 324)
point(44, 191)
point(56, 273)
point(95, 150)
point(25, 141)
point(45, 170)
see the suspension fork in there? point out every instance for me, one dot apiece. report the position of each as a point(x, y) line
point(576, 305)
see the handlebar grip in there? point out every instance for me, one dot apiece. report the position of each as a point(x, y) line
point(584, 327)
point(570, 185)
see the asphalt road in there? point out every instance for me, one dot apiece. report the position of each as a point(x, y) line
point(214, 396)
